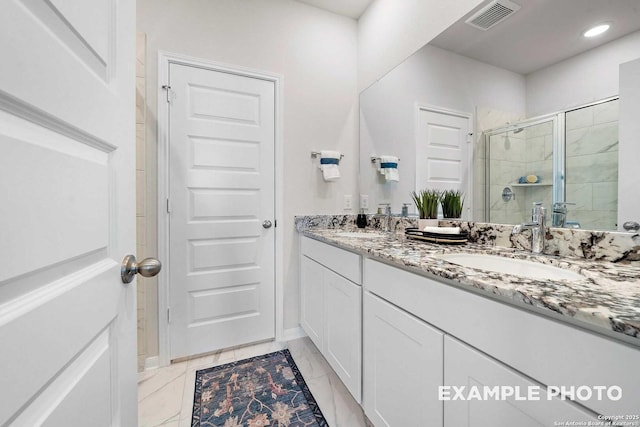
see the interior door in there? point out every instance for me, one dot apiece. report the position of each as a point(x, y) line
point(443, 154)
point(221, 203)
point(67, 200)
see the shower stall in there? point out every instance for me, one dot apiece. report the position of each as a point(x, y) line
point(566, 160)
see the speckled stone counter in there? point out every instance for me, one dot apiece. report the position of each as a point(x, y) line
point(588, 244)
point(607, 300)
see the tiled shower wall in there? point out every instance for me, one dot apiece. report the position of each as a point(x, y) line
point(141, 241)
point(592, 165)
point(539, 161)
point(513, 155)
point(508, 160)
point(487, 118)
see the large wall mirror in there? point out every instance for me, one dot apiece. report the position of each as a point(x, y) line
point(527, 110)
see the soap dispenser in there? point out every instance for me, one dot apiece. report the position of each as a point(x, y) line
point(405, 210)
point(361, 219)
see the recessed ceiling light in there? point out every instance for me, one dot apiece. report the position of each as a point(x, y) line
point(596, 31)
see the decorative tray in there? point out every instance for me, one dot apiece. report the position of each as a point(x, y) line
point(443, 238)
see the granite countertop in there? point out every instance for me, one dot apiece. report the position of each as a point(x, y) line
point(607, 300)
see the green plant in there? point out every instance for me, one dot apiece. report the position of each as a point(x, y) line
point(427, 203)
point(452, 202)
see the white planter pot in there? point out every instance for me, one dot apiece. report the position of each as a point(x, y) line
point(422, 223)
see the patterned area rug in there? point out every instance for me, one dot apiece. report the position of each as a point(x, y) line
point(265, 390)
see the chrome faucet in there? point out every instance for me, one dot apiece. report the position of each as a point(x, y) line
point(537, 226)
point(559, 214)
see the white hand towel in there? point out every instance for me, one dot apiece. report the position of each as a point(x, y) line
point(392, 175)
point(389, 168)
point(442, 230)
point(329, 161)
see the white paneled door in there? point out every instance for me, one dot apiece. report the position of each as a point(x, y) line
point(443, 153)
point(221, 203)
point(67, 213)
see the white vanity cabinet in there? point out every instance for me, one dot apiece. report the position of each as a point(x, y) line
point(471, 368)
point(331, 308)
point(396, 337)
point(486, 343)
point(402, 367)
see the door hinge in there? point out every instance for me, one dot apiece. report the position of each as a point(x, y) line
point(168, 315)
point(167, 89)
point(275, 222)
point(168, 207)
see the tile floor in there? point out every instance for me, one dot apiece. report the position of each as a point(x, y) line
point(165, 395)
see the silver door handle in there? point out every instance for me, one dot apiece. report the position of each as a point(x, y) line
point(266, 224)
point(631, 226)
point(148, 267)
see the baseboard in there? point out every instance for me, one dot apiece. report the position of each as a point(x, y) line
point(151, 363)
point(287, 335)
point(293, 334)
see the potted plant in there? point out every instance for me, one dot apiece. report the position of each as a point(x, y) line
point(452, 202)
point(427, 204)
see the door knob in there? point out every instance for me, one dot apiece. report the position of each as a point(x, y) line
point(148, 267)
point(266, 224)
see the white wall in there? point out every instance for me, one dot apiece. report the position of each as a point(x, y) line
point(315, 52)
point(390, 31)
point(587, 77)
point(433, 77)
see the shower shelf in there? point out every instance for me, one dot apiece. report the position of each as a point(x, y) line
point(539, 184)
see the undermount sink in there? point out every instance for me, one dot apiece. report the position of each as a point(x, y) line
point(359, 234)
point(516, 267)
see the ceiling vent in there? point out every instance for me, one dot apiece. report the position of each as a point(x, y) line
point(492, 14)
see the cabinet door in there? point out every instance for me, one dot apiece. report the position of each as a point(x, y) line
point(343, 330)
point(312, 300)
point(465, 366)
point(403, 360)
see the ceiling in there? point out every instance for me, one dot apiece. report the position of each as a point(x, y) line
point(350, 8)
point(541, 33)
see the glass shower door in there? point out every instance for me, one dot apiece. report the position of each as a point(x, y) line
point(592, 166)
point(520, 170)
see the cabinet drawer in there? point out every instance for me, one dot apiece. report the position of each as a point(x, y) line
point(345, 263)
point(549, 351)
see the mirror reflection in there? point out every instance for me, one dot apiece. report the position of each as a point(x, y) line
point(568, 161)
point(520, 171)
point(526, 109)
